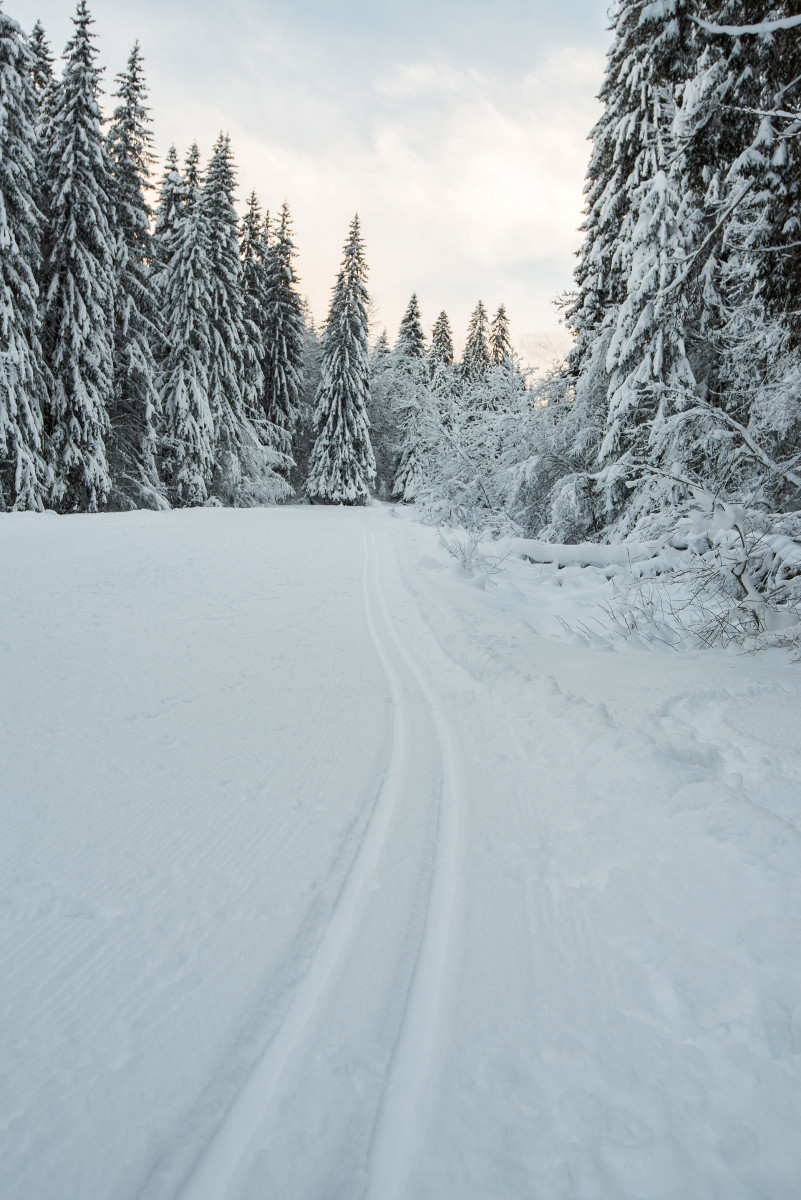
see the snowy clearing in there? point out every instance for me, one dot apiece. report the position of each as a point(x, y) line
point(328, 871)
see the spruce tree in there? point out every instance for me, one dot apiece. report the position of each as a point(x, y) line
point(23, 476)
point(383, 416)
point(648, 57)
point(380, 352)
point(410, 380)
point(342, 465)
point(253, 250)
point(500, 343)
point(134, 411)
point(171, 197)
point(283, 336)
point(46, 89)
point(188, 450)
point(42, 60)
point(237, 438)
point(647, 354)
point(441, 352)
point(411, 341)
point(476, 357)
point(78, 280)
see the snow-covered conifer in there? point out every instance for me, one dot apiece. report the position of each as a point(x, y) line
point(253, 250)
point(412, 402)
point(647, 58)
point(411, 341)
point(168, 210)
point(500, 342)
point(183, 283)
point(23, 476)
point(77, 288)
point(441, 352)
point(283, 335)
point(380, 352)
point(476, 357)
point(45, 88)
point(311, 375)
point(383, 416)
point(342, 465)
point(227, 385)
point(42, 60)
point(650, 374)
point(133, 414)
point(245, 458)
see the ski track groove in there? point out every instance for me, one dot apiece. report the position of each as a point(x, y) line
point(215, 1170)
point(397, 1133)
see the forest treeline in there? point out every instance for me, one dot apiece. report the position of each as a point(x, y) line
point(167, 358)
point(681, 393)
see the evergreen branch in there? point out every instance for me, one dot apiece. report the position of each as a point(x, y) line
point(707, 410)
point(682, 278)
point(762, 27)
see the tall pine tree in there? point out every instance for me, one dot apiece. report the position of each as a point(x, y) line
point(23, 476)
point(253, 249)
point(171, 198)
point(411, 341)
point(410, 379)
point(227, 386)
point(476, 357)
point(500, 341)
point(441, 352)
point(283, 335)
point(78, 280)
point(342, 466)
point(183, 285)
point(133, 415)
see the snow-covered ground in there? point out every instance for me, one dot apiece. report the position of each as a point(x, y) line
point(327, 871)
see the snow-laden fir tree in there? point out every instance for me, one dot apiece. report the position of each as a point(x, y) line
point(169, 206)
point(476, 356)
point(245, 459)
point(134, 410)
point(184, 291)
point(500, 341)
point(45, 87)
point(411, 341)
point(412, 400)
point(23, 475)
point(650, 374)
point(77, 284)
point(342, 466)
point(647, 59)
point(311, 375)
point(253, 250)
point(381, 410)
point(441, 352)
point(42, 60)
point(283, 335)
point(380, 352)
point(228, 392)
point(769, 82)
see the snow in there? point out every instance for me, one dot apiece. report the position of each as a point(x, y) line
point(332, 868)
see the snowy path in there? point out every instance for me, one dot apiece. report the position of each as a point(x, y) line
point(324, 875)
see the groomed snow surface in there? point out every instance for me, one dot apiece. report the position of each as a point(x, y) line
point(327, 872)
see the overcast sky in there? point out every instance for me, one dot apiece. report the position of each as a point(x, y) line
point(456, 128)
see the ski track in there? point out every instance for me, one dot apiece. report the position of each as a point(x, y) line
point(402, 1111)
point(398, 1125)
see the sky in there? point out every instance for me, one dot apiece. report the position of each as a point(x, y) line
point(456, 128)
